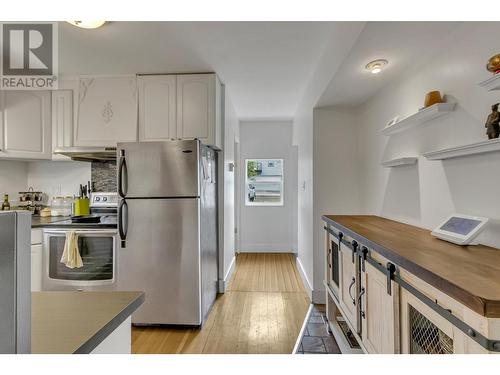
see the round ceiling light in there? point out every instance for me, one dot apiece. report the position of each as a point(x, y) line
point(376, 66)
point(87, 24)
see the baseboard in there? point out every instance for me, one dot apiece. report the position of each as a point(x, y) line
point(227, 276)
point(265, 248)
point(303, 276)
point(319, 296)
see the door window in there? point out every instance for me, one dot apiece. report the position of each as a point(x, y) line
point(264, 182)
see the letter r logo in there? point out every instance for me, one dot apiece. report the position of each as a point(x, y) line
point(27, 49)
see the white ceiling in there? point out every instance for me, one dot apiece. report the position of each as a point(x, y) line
point(403, 44)
point(265, 65)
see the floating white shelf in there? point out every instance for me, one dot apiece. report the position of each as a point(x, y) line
point(492, 83)
point(399, 162)
point(491, 145)
point(423, 116)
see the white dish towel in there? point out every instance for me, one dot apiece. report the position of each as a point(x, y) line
point(71, 254)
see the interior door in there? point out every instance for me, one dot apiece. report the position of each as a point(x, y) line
point(380, 321)
point(348, 282)
point(162, 258)
point(158, 169)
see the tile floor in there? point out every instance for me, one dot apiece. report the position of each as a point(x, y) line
point(317, 339)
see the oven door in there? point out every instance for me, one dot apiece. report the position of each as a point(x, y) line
point(98, 252)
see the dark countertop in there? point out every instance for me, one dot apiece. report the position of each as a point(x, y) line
point(77, 322)
point(469, 274)
point(64, 222)
point(40, 222)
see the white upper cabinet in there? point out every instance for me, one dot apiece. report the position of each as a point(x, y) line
point(25, 125)
point(183, 106)
point(157, 107)
point(107, 111)
point(62, 121)
point(198, 108)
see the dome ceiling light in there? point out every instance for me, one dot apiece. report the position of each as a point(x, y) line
point(87, 24)
point(376, 66)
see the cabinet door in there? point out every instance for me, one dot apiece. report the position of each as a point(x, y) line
point(380, 317)
point(107, 111)
point(62, 121)
point(157, 110)
point(36, 268)
point(25, 125)
point(196, 107)
point(423, 331)
point(348, 284)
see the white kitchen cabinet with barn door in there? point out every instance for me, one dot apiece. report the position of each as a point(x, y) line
point(199, 108)
point(157, 107)
point(379, 309)
point(25, 125)
point(107, 111)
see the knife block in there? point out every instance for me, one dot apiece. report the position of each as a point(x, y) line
point(81, 207)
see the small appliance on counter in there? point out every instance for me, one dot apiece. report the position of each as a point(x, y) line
point(460, 229)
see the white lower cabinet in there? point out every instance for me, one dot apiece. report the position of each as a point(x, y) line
point(36, 260)
point(36, 268)
point(379, 312)
point(25, 125)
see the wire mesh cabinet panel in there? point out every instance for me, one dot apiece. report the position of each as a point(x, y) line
point(423, 331)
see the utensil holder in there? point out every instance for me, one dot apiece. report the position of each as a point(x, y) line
point(81, 207)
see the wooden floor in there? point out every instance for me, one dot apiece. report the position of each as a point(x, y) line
point(261, 312)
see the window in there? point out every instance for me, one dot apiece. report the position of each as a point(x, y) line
point(264, 182)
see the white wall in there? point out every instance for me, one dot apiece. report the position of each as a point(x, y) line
point(227, 211)
point(13, 179)
point(344, 35)
point(61, 178)
point(336, 178)
point(425, 194)
point(268, 228)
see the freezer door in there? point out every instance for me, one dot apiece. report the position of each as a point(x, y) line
point(158, 169)
point(162, 258)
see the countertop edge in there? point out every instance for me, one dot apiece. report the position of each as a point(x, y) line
point(484, 307)
point(109, 327)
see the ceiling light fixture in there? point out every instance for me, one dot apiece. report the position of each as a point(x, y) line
point(376, 66)
point(87, 24)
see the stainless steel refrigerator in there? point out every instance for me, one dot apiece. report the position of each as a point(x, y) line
point(15, 282)
point(167, 222)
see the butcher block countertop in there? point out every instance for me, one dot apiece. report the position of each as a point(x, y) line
point(469, 274)
point(77, 322)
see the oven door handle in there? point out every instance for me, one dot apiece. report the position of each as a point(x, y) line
point(123, 221)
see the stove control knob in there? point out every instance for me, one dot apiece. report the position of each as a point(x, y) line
point(97, 199)
point(104, 199)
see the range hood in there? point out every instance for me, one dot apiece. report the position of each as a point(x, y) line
point(88, 153)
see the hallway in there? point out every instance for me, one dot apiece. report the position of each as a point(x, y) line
point(261, 312)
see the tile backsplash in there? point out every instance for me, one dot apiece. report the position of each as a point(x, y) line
point(104, 176)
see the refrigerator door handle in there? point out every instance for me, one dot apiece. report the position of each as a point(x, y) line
point(122, 175)
point(123, 222)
